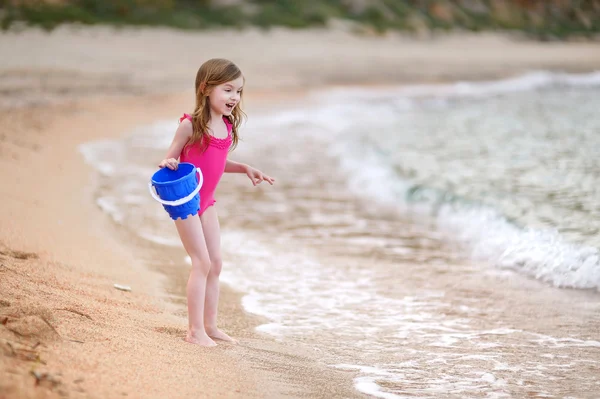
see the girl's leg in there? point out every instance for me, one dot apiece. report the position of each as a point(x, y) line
point(192, 237)
point(212, 235)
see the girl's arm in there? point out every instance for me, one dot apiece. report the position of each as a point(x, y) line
point(235, 167)
point(182, 135)
point(255, 175)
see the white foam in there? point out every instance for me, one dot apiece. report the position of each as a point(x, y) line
point(95, 155)
point(303, 297)
point(124, 172)
point(371, 377)
point(109, 206)
point(158, 135)
point(368, 386)
point(168, 241)
point(367, 383)
point(297, 292)
point(542, 254)
point(549, 341)
point(488, 377)
point(368, 173)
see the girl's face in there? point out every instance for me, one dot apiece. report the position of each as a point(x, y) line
point(224, 97)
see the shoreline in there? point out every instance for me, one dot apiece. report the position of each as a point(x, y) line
point(80, 309)
point(60, 254)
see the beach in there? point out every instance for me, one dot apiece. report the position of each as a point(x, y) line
point(67, 331)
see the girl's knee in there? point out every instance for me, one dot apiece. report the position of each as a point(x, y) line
point(216, 265)
point(202, 264)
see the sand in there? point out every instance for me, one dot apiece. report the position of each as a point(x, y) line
point(64, 329)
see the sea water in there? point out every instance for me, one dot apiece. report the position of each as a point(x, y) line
point(432, 240)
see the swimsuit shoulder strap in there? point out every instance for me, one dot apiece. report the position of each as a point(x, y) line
point(185, 116)
point(228, 124)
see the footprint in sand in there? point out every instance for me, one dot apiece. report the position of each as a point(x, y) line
point(34, 322)
point(19, 254)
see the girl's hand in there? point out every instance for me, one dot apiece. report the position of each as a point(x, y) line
point(170, 163)
point(257, 177)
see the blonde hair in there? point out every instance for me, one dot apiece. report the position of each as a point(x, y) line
point(211, 74)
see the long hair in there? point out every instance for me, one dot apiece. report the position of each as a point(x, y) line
point(211, 74)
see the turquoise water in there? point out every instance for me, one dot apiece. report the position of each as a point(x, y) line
point(513, 175)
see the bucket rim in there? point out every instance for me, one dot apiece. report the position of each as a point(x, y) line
point(157, 183)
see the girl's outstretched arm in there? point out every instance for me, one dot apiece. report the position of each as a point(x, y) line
point(182, 135)
point(255, 175)
point(235, 167)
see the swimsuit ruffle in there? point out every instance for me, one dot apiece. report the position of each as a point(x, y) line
point(222, 144)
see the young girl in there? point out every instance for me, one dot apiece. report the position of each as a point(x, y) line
point(204, 139)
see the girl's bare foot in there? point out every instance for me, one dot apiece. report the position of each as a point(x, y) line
point(218, 334)
point(200, 339)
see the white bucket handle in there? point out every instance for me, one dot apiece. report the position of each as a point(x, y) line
point(180, 201)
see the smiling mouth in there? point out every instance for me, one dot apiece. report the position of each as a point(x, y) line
point(230, 106)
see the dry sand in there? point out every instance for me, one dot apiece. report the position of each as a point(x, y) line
point(64, 329)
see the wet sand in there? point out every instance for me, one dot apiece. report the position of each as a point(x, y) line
point(65, 330)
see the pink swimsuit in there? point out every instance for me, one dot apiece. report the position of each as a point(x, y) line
point(210, 161)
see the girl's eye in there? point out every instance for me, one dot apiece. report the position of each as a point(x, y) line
point(227, 90)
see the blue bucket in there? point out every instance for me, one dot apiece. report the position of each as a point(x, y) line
point(178, 190)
